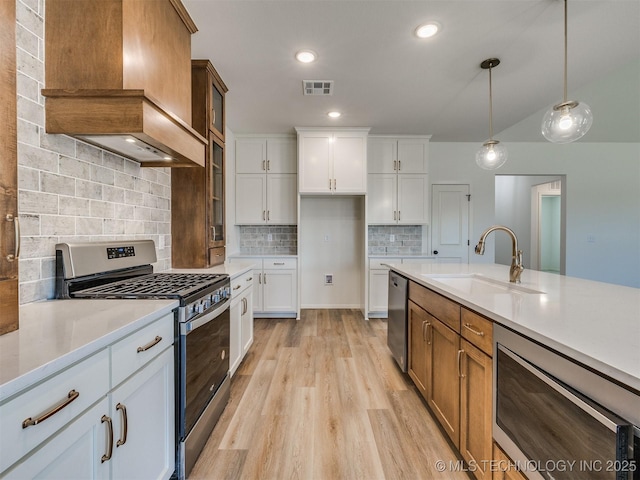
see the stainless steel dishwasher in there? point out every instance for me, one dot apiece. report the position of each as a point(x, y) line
point(397, 329)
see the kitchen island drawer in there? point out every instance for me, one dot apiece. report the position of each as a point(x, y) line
point(477, 330)
point(31, 417)
point(445, 310)
point(133, 352)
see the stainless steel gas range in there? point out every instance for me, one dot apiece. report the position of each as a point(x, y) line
point(123, 270)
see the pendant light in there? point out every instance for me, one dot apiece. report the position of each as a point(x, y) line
point(567, 121)
point(492, 155)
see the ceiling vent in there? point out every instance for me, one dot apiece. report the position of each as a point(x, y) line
point(317, 87)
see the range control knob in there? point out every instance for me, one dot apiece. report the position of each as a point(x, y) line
point(199, 307)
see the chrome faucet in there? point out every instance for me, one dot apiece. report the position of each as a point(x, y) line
point(516, 255)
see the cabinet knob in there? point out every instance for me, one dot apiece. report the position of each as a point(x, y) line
point(435, 252)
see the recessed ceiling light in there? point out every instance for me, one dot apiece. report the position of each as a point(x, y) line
point(306, 56)
point(334, 114)
point(427, 30)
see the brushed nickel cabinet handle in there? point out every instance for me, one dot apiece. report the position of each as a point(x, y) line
point(249, 279)
point(334, 184)
point(424, 339)
point(468, 326)
point(394, 215)
point(265, 279)
point(123, 412)
point(16, 228)
point(398, 215)
point(260, 279)
point(268, 165)
point(107, 456)
point(395, 165)
point(213, 228)
point(152, 343)
point(399, 165)
point(71, 396)
point(264, 215)
point(429, 337)
point(329, 184)
point(268, 215)
point(264, 165)
point(278, 263)
point(213, 115)
point(460, 374)
point(237, 287)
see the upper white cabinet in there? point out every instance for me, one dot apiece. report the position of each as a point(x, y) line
point(266, 191)
point(398, 188)
point(398, 154)
point(332, 161)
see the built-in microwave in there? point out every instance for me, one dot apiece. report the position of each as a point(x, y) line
point(557, 419)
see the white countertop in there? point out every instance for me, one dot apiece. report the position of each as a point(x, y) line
point(232, 269)
point(597, 324)
point(57, 333)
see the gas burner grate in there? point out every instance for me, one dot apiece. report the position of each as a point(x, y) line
point(164, 285)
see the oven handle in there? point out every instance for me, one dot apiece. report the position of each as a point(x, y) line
point(187, 327)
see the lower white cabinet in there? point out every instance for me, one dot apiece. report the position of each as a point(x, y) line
point(274, 285)
point(81, 430)
point(241, 334)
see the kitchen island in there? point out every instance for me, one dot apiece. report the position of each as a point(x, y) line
point(594, 323)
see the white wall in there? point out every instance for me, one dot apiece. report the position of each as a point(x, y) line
point(341, 219)
point(602, 192)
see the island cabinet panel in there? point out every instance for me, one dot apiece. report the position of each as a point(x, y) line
point(9, 241)
point(504, 466)
point(450, 363)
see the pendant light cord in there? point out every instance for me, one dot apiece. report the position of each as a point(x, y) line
point(565, 51)
point(491, 107)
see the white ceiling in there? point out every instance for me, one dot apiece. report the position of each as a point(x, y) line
point(389, 80)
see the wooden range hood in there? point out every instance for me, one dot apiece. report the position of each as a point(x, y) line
point(118, 75)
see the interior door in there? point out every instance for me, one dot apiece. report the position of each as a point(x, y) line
point(450, 223)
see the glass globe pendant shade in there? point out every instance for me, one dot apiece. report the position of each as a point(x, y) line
point(567, 122)
point(491, 155)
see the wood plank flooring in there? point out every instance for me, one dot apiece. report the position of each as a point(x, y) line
point(322, 398)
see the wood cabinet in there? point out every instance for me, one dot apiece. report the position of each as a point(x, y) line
point(121, 75)
point(332, 161)
point(198, 194)
point(9, 226)
point(450, 363)
point(266, 180)
point(241, 335)
point(111, 416)
point(504, 467)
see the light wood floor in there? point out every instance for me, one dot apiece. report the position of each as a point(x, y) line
point(322, 398)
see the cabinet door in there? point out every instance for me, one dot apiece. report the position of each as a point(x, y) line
point(349, 163)
point(217, 109)
point(257, 290)
point(282, 199)
point(412, 155)
point(251, 155)
point(382, 155)
point(413, 199)
point(246, 321)
point(279, 290)
point(444, 383)
point(235, 346)
point(382, 199)
point(314, 156)
point(75, 452)
point(419, 321)
point(282, 155)
point(475, 408)
point(215, 194)
point(143, 416)
point(378, 290)
point(251, 197)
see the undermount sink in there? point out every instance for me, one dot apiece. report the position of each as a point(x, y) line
point(476, 284)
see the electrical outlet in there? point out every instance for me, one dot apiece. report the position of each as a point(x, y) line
point(328, 279)
point(269, 237)
point(392, 238)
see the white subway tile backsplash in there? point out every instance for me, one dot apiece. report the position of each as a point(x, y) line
point(88, 226)
point(29, 64)
point(29, 18)
point(112, 161)
point(57, 225)
point(101, 209)
point(102, 175)
point(88, 153)
point(29, 269)
point(29, 224)
point(73, 206)
point(91, 190)
point(112, 194)
point(73, 167)
point(36, 202)
point(113, 226)
point(28, 87)
point(28, 178)
point(35, 157)
point(54, 183)
point(30, 110)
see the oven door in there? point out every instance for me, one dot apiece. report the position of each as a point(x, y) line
point(204, 363)
point(552, 430)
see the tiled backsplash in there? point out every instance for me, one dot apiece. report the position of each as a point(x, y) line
point(254, 240)
point(407, 241)
point(68, 190)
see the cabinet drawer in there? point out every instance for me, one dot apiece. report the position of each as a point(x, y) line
point(477, 330)
point(376, 263)
point(89, 379)
point(442, 308)
point(241, 283)
point(139, 348)
point(285, 263)
point(216, 256)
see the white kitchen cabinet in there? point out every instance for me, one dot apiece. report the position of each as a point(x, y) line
point(406, 154)
point(241, 334)
point(112, 414)
point(274, 285)
point(332, 161)
point(266, 154)
point(266, 199)
point(398, 199)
